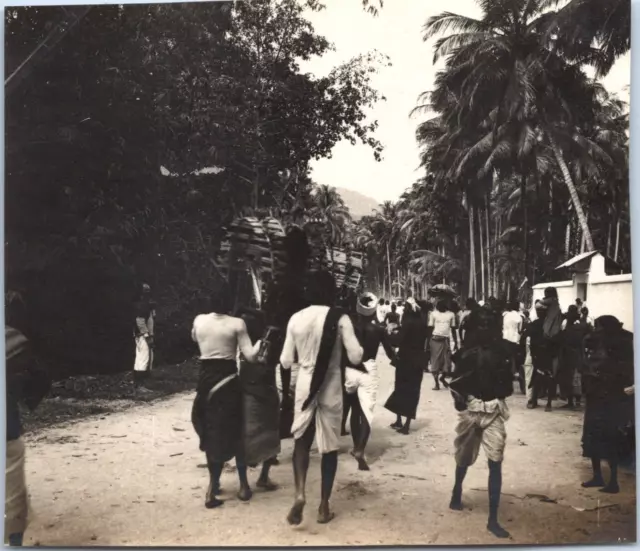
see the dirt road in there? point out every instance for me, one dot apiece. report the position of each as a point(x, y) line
point(133, 478)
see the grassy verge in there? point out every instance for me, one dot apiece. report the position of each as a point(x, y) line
point(76, 398)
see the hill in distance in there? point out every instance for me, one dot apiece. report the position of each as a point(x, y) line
point(359, 205)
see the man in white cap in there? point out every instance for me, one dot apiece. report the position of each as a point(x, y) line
point(363, 380)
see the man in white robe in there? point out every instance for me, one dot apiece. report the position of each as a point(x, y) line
point(315, 340)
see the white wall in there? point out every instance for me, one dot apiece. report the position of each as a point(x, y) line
point(612, 295)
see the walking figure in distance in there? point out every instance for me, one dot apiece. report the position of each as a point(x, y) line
point(482, 380)
point(315, 338)
point(409, 366)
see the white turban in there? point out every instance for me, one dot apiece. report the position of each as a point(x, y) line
point(367, 304)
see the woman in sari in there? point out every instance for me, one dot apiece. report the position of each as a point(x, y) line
point(409, 369)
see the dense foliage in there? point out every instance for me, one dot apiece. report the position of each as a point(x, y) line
point(145, 131)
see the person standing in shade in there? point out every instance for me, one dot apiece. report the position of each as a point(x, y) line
point(143, 334)
point(410, 362)
point(585, 318)
point(315, 339)
point(572, 340)
point(217, 408)
point(551, 328)
point(443, 322)
point(609, 384)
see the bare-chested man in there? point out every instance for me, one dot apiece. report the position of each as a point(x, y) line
point(482, 380)
point(363, 380)
point(316, 337)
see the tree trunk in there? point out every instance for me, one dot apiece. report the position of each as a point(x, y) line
point(609, 240)
point(567, 241)
point(525, 223)
point(573, 192)
point(617, 249)
point(389, 266)
point(496, 277)
point(481, 244)
point(488, 244)
point(472, 268)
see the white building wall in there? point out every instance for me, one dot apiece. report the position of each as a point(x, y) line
point(606, 295)
point(612, 295)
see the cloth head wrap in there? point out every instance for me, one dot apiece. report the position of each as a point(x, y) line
point(367, 305)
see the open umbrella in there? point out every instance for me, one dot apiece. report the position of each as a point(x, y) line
point(442, 290)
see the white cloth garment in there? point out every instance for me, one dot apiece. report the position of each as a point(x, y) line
point(442, 323)
point(304, 334)
point(16, 511)
point(292, 385)
point(144, 355)
point(482, 424)
point(365, 385)
point(512, 326)
point(528, 370)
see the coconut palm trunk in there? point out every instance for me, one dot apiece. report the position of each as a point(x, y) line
point(488, 244)
point(472, 268)
point(573, 192)
point(525, 223)
point(481, 244)
point(617, 249)
point(389, 266)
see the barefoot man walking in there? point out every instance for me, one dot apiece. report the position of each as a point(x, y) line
point(482, 380)
point(315, 338)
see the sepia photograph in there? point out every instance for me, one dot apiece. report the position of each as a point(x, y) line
point(318, 273)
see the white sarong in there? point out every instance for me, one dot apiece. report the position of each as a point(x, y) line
point(326, 406)
point(292, 384)
point(365, 385)
point(16, 499)
point(483, 423)
point(144, 355)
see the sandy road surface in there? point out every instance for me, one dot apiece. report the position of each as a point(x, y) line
point(132, 478)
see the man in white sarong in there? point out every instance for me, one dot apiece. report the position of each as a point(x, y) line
point(315, 339)
point(483, 378)
point(363, 380)
point(143, 334)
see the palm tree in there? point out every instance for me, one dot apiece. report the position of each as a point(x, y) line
point(593, 32)
point(330, 208)
point(510, 85)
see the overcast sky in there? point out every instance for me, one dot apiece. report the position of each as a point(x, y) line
point(396, 32)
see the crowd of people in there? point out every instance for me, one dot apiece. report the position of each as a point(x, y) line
point(259, 384)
